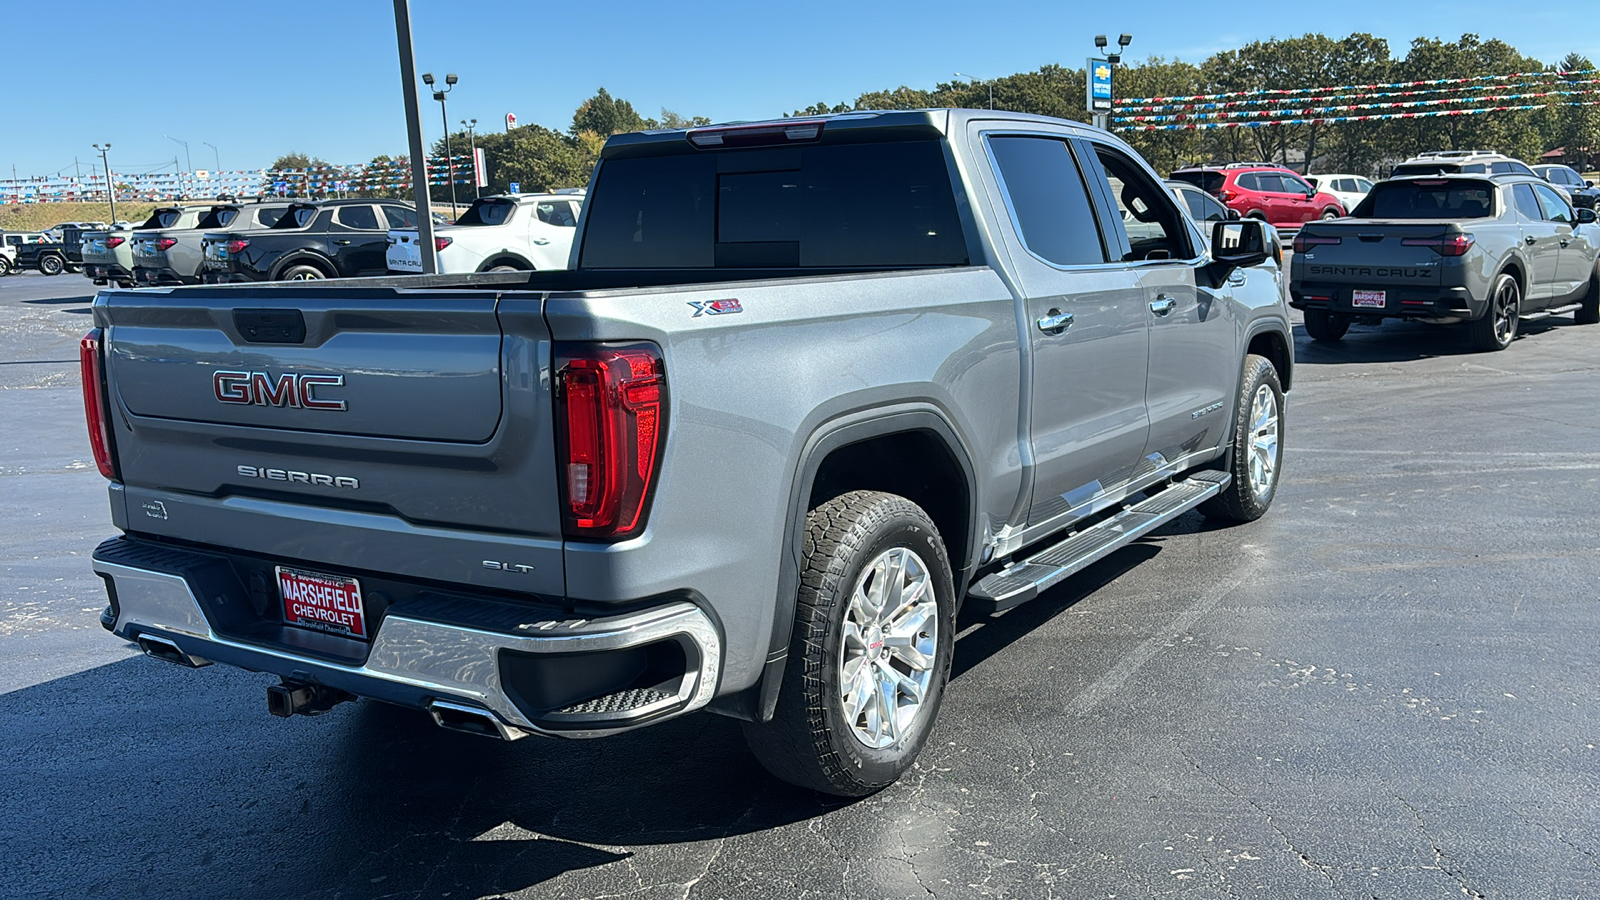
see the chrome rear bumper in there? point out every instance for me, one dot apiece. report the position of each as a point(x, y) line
point(417, 662)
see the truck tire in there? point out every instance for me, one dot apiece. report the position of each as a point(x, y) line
point(874, 632)
point(1326, 326)
point(1255, 455)
point(50, 264)
point(1497, 327)
point(5, 267)
point(1589, 312)
point(302, 272)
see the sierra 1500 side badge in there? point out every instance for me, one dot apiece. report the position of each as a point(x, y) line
point(715, 307)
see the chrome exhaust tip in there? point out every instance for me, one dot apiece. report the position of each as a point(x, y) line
point(472, 720)
point(167, 651)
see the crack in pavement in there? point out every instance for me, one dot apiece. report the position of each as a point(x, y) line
point(1438, 852)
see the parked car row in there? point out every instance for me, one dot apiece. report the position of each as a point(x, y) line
point(1487, 249)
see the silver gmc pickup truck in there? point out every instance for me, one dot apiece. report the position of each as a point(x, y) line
point(807, 388)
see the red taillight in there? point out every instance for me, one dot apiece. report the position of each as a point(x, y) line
point(113, 243)
point(165, 243)
point(439, 243)
point(1303, 241)
point(1226, 195)
point(1450, 245)
point(237, 246)
point(611, 406)
point(96, 404)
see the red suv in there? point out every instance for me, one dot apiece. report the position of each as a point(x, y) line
point(1261, 191)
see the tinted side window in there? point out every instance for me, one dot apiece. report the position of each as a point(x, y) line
point(1049, 200)
point(1204, 208)
point(488, 212)
point(1555, 208)
point(359, 216)
point(268, 216)
point(1527, 204)
point(400, 216)
point(1153, 226)
point(1250, 181)
point(1293, 185)
point(555, 212)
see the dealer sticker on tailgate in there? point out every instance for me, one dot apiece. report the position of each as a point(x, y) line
point(330, 603)
point(1368, 299)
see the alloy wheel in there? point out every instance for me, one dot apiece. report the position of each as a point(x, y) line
point(886, 659)
point(1263, 441)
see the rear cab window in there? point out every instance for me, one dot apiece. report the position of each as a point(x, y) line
point(556, 212)
point(888, 204)
point(297, 217)
point(217, 218)
point(496, 211)
point(1208, 181)
point(1428, 198)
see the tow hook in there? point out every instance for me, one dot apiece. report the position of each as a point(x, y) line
point(300, 698)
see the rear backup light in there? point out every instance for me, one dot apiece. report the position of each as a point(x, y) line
point(1449, 245)
point(611, 406)
point(96, 402)
point(237, 246)
point(439, 243)
point(1304, 241)
point(165, 243)
point(113, 243)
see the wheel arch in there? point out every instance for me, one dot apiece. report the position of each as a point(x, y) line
point(1268, 339)
point(505, 257)
point(853, 453)
point(304, 257)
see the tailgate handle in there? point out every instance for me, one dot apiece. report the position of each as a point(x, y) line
point(1369, 238)
point(270, 326)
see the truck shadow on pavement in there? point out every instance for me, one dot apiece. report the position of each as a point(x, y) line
point(60, 301)
point(1403, 342)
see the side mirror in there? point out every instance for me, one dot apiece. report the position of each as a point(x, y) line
point(1233, 215)
point(1237, 245)
point(1586, 216)
point(1588, 182)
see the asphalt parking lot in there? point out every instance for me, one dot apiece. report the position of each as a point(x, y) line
point(1386, 688)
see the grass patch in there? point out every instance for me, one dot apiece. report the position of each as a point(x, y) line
point(39, 216)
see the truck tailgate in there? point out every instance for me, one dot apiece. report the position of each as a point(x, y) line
point(392, 411)
point(1370, 253)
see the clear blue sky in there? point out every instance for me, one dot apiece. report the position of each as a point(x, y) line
point(322, 77)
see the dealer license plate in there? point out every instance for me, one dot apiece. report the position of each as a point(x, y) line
point(322, 602)
point(1368, 299)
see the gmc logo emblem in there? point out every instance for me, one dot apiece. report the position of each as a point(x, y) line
point(261, 389)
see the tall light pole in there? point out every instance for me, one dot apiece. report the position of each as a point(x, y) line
point(186, 157)
point(444, 117)
point(989, 82)
point(419, 152)
point(472, 139)
point(111, 189)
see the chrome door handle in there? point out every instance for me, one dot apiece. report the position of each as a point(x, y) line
point(1565, 243)
point(541, 241)
point(1530, 239)
point(1055, 322)
point(341, 243)
point(1163, 305)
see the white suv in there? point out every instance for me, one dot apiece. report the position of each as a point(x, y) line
point(501, 233)
point(1350, 189)
point(1461, 162)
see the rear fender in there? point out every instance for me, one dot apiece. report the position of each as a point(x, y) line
point(306, 257)
point(758, 702)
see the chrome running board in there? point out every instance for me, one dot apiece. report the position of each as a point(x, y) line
point(1020, 582)
point(1547, 313)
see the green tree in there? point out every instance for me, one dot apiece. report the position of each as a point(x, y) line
point(605, 115)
